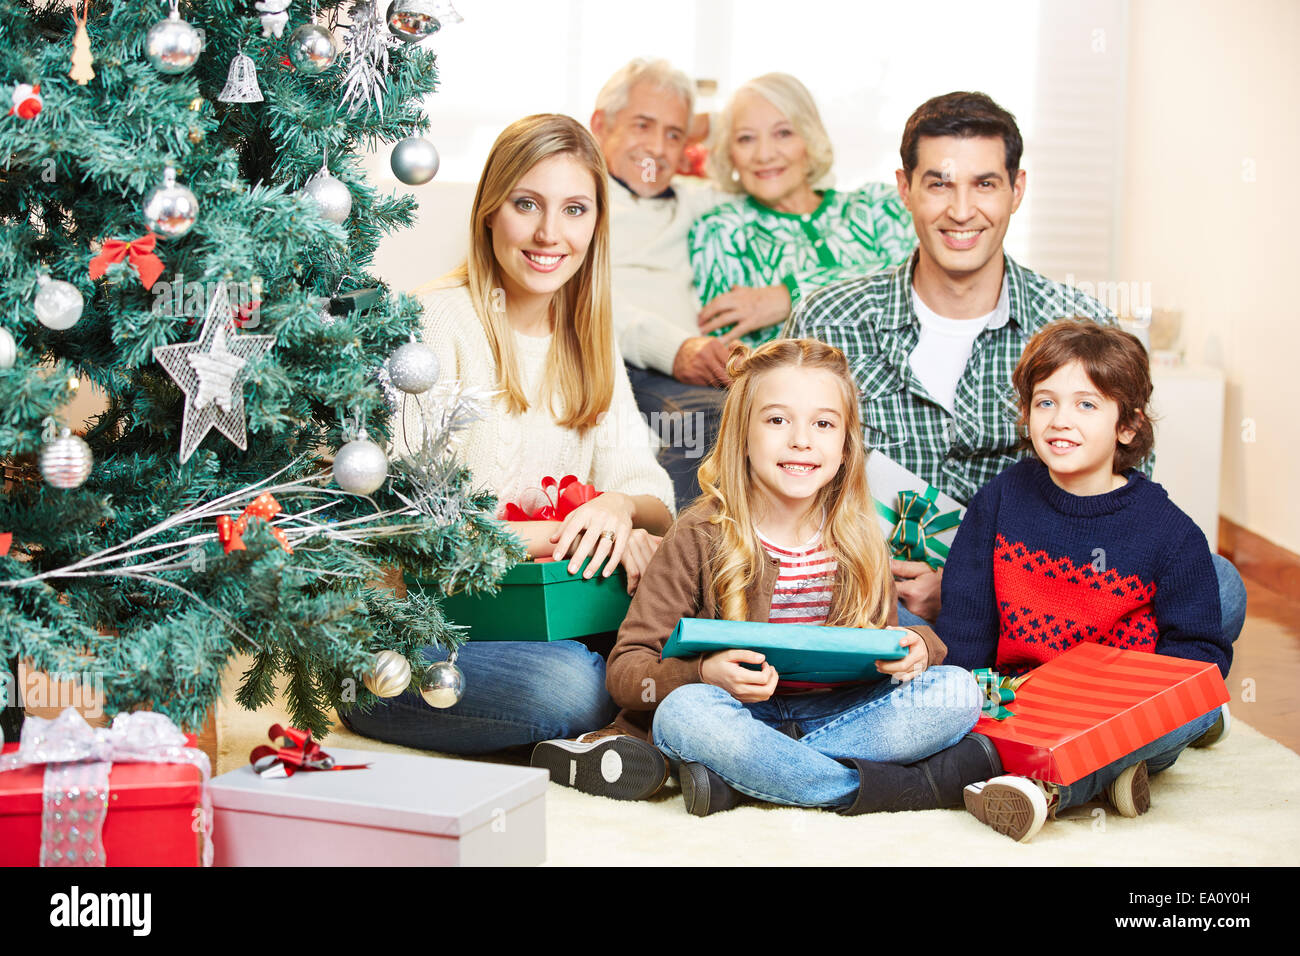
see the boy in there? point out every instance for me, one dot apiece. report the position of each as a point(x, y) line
point(1076, 545)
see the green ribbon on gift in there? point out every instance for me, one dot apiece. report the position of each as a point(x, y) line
point(997, 691)
point(916, 523)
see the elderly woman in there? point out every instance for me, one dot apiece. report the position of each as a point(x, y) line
point(755, 257)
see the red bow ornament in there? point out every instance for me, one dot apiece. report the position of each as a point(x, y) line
point(299, 752)
point(244, 315)
point(27, 101)
point(140, 253)
point(562, 498)
point(230, 532)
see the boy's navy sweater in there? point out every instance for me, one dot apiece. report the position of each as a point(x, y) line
point(1035, 570)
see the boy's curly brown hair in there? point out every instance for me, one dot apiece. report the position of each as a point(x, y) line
point(1115, 361)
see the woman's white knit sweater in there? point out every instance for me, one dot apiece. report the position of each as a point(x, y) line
point(509, 454)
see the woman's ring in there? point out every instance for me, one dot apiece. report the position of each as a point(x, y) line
point(608, 534)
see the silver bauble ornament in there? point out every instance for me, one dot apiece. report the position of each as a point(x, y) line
point(413, 20)
point(360, 466)
point(332, 198)
point(415, 161)
point(66, 461)
point(312, 49)
point(170, 209)
point(58, 304)
point(413, 368)
point(8, 349)
point(172, 45)
point(443, 684)
point(390, 674)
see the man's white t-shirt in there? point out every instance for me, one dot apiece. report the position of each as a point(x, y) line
point(945, 345)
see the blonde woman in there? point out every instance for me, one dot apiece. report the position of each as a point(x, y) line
point(755, 257)
point(528, 317)
point(784, 533)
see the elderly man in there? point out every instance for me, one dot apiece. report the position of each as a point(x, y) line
point(641, 121)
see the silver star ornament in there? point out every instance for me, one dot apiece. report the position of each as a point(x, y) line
point(211, 372)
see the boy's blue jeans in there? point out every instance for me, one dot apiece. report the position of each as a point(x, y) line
point(1160, 754)
point(881, 721)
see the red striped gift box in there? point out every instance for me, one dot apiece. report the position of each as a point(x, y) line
point(1094, 704)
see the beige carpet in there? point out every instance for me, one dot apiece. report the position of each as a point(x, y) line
point(1233, 805)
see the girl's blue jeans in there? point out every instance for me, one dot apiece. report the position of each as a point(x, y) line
point(880, 721)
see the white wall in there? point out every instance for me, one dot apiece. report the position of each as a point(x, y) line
point(869, 64)
point(1209, 218)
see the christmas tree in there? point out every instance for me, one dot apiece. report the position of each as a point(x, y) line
point(184, 224)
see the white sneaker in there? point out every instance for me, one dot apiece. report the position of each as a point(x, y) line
point(1130, 792)
point(1014, 806)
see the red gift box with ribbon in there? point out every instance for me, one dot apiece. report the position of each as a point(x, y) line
point(1093, 705)
point(562, 498)
point(151, 817)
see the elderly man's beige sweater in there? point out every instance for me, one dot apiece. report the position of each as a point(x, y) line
point(655, 307)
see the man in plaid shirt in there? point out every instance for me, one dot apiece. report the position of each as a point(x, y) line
point(933, 342)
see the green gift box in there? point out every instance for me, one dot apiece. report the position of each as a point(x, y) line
point(542, 601)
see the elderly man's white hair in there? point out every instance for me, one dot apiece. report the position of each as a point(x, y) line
point(659, 74)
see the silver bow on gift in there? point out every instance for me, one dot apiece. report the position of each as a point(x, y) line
point(77, 760)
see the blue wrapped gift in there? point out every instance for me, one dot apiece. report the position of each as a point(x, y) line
point(799, 652)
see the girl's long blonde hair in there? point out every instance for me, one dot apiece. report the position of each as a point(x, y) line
point(580, 363)
point(850, 532)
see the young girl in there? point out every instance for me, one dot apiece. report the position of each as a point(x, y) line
point(784, 531)
point(528, 317)
point(1076, 545)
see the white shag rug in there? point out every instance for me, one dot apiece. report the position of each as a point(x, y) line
point(1231, 805)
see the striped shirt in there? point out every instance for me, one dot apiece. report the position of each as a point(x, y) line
point(804, 582)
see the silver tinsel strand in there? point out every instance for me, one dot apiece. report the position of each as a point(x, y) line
point(366, 48)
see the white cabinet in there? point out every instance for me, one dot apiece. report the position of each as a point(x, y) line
point(1187, 402)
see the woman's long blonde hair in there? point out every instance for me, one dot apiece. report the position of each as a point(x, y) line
point(850, 532)
point(580, 363)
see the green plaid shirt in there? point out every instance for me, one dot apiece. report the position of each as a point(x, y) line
point(872, 321)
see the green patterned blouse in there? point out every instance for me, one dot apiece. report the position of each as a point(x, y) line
point(851, 234)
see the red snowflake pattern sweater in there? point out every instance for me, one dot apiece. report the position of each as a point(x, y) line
point(1035, 570)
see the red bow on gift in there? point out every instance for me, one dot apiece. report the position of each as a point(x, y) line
point(231, 532)
point(571, 494)
point(299, 752)
point(140, 251)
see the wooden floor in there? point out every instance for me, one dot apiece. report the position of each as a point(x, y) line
point(1265, 678)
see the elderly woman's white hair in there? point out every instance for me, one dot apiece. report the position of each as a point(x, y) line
point(659, 74)
point(796, 104)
